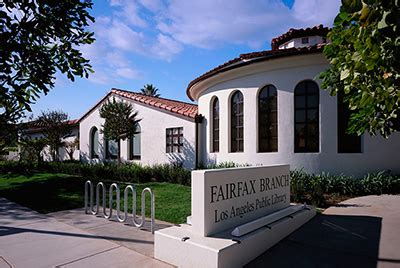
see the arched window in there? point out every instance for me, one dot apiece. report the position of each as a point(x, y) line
point(134, 145)
point(237, 122)
point(215, 125)
point(111, 149)
point(306, 117)
point(94, 143)
point(268, 119)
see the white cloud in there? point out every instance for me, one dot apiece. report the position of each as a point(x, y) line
point(128, 73)
point(153, 5)
point(103, 76)
point(129, 11)
point(209, 23)
point(116, 59)
point(315, 11)
point(162, 28)
point(109, 54)
point(121, 36)
point(166, 47)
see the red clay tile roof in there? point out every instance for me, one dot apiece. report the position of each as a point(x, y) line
point(249, 58)
point(36, 126)
point(297, 33)
point(174, 106)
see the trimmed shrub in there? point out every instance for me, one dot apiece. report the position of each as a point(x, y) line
point(225, 164)
point(313, 187)
point(105, 172)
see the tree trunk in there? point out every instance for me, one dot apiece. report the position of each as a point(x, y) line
point(119, 151)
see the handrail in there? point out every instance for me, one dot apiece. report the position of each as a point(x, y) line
point(138, 223)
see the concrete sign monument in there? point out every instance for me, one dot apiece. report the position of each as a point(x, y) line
point(237, 214)
point(223, 199)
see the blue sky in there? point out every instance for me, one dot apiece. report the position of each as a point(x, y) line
point(168, 43)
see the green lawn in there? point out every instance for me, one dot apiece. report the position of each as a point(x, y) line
point(45, 192)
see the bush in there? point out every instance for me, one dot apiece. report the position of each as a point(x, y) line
point(16, 167)
point(128, 172)
point(226, 164)
point(313, 187)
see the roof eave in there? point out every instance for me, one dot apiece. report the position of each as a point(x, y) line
point(245, 62)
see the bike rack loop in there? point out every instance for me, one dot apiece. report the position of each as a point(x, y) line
point(132, 189)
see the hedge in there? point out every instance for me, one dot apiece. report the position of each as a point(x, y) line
point(316, 186)
point(304, 186)
point(135, 173)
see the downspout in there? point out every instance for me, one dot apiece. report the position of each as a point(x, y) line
point(198, 119)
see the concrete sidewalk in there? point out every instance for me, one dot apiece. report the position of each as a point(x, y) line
point(127, 235)
point(30, 239)
point(359, 232)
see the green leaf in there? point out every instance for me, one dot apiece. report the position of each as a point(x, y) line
point(344, 74)
point(382, 23)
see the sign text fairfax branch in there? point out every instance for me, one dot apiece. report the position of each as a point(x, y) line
point(231, 198)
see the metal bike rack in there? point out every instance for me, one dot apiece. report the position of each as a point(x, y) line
point(137, 222)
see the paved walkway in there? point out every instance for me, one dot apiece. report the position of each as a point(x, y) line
point(359, 232)
point(126, 235)
point(30, 239)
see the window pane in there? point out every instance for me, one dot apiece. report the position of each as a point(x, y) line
point(312, 101)
point(111, 149)
point(312, 116)
point(300, 89)
point(300, 116)
point(300, 101)
point(274, 130)
point(267, 118)
point(300, 136)
point(95, 143)
point(215, 125)
point(240, 133)
point(306, 117)
point(237, 122)
point(136, 145)
point(174, 140)
point(240, 146)
point(274, 144)
point(312, 87)
point(273, 117)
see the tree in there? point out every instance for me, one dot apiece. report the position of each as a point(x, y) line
point(39, 38)
point(71, 147)
point(150, 90)
point(9, 129)
point(31, 149)
point(364, 54)
point(55, 127)
point(120, 122)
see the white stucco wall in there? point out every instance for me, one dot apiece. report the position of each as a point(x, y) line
point(285, 73)
point(153, 136)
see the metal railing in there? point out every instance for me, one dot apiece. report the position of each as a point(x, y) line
point(130, 188)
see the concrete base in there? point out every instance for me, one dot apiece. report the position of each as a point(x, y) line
point(179, 246)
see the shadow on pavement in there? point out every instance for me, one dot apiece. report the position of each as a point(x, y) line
point(328, 241)
point(6, 230)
